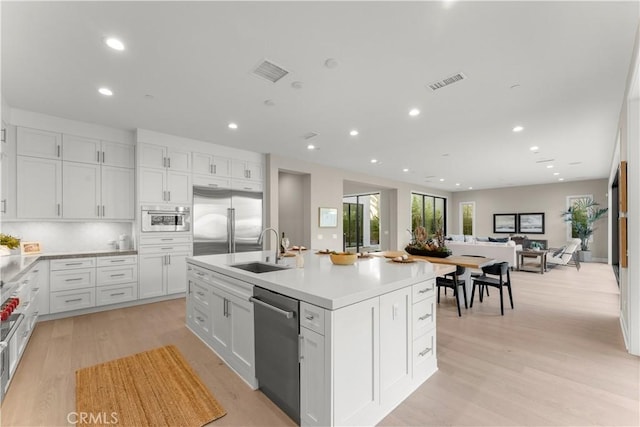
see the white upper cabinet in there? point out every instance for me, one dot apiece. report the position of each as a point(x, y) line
point(161, 157)
point(39, 188)
point(39, 143)
point(81, 191)
point(80, 149)
point(8, 178)
point(117, 193)
point(207, 164)
point(246, 170)
point(88, 150)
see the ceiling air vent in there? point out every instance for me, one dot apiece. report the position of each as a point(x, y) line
point(270, 71)
point(310, 135)
point(545, 161)
point(446, 81)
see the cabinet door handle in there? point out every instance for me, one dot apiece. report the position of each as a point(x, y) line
point(168, 259)
point(425, 290)
point(4, 135)
point(211, 169)
point(117, 294)
point(98, 156)
point(57, 150)
point(213, 185)
point(103, 157)
point(300, 344)
point(425, 351)
point(426, 316)
point(200, 319)
point(215, 170)
point(310, 318)
point(72, 263)
point(103, 214)
point(75, 279)
point(117, 260)
point(97, 210)
point(4, 205)
point(168, 196)
point(169, 162)
point(73, 300)
point(58, 208)
point(118, 275)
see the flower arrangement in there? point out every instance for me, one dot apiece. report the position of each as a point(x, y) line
point(9, 241)
point(421, 244)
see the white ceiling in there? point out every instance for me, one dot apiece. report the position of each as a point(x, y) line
point(569, 59)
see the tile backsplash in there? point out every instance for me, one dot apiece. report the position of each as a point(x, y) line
point(70, 236)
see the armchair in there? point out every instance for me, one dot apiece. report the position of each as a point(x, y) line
point(565, 255)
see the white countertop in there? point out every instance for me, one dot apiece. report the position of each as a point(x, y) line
point(320, 282)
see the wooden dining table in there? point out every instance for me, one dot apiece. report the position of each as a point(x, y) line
point(452, 260)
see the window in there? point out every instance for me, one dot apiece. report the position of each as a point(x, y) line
point(571, 200)
point(429, 212)
point(467, 217)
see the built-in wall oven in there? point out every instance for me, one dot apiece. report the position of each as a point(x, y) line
point(165, 218)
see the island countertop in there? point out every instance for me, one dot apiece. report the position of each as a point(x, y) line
point(320, 282)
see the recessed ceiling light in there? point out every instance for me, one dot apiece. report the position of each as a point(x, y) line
point(518, 129)
point(534, 148)
point(560, 179)
point(105, 91)
point(353, 132)
point(549, 166)
point(405, 170)
point(296, 85)
point(311, 147)
point(457, 184)
point(114, 43)
point(441, 179)
point(233, 126)
point(470, 188)
point(374, 160)
point(414, 112)
point(556, 173)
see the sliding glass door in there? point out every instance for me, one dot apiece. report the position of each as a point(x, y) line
point(361, 222)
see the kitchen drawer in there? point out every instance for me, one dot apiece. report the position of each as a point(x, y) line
point(424, 351)
point(164, 239)
point(110, 261)
point(312, 317)
point(113, 294)
point(199, 273)
point(72, 300)
point(200, 319)
point(117, 275)
point(200, 293)
point(208, 181)
point(63, 280)
point(66, 264)
point(168, 248)
point(424, 318)
point(423, 290)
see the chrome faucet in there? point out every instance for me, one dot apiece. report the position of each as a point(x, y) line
point(260, 239)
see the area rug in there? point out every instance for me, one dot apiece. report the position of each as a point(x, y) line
point(153, 388)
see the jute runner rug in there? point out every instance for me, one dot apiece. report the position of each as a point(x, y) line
point(153, 388)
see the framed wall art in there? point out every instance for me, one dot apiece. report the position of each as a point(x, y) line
point(504, 223)
point(531, 223)
point(28, 248)
point(328, 217)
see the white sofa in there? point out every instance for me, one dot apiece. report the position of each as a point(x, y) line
point(501, 252)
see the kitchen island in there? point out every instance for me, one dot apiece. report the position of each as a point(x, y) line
point(366, 331)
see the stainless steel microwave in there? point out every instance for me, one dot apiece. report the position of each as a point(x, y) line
point(166, 219)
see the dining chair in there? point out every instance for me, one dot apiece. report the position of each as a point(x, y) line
point(475, 274)
point(453, 281)
point(496, 276)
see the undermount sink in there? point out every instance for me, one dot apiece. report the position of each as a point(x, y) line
point(259, 267)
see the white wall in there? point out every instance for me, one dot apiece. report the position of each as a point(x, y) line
point(548, 198)
point(291, 212)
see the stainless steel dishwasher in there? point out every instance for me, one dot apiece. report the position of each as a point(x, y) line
point(276, 341)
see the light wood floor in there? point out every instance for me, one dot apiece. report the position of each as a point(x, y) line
point(558, 359)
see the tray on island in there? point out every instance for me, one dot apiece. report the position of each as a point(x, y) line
point(435, 254)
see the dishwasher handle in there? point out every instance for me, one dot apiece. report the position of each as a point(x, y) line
point(287, 314)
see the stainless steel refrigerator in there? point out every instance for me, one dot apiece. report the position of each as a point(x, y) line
point(226, 221)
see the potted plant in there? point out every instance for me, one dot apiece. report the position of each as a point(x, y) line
point(8, 242)
point(421, 244)
point(583, 215)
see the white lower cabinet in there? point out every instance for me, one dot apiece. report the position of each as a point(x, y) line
point(313, 379)
point(220, 313)
point(162, 269)
point(117, 280)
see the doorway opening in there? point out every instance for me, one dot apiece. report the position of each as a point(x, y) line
point(361, 222)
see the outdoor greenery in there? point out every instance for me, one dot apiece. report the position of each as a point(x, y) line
point(425, 210)
point(582, 215)
point(467, 219)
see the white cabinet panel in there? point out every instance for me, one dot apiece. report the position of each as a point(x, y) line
point(117, 154)
point(178, 160)
point(79, 278)
point(8, 178)
point(313, 380)
point(178, 187)
point(117, 191)
point(177, 272)
point(39, 188)
point(81, 190)
point(72, 300)
point(356, 361)
point(211, 181)
point(240, 316)
point(39, 143)
point(151, 269)
point(152, 186)
point(208, 164)
point(246, 185)
point(114, 294)
point(219, 326)
point(116, 275)
point(151, 156)
point(395, 343)
point(80, 149)
point(246, 170)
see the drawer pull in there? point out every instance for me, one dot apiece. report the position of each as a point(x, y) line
point(73, 280)
point(73, 300)
point(425, 351)
point(169, 239)
point(200, 319)
point(118, 275)
point(310, 318)
point(426, 316)
point(73, 263)
point(166, 249)
point(118, 260)
point(200, 293)
point(425, 290)
point(117, 294)
point(200, 274)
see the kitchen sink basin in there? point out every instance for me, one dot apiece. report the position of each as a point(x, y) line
point(259, 267)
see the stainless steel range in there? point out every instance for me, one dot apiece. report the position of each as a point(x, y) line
point(11, 321)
